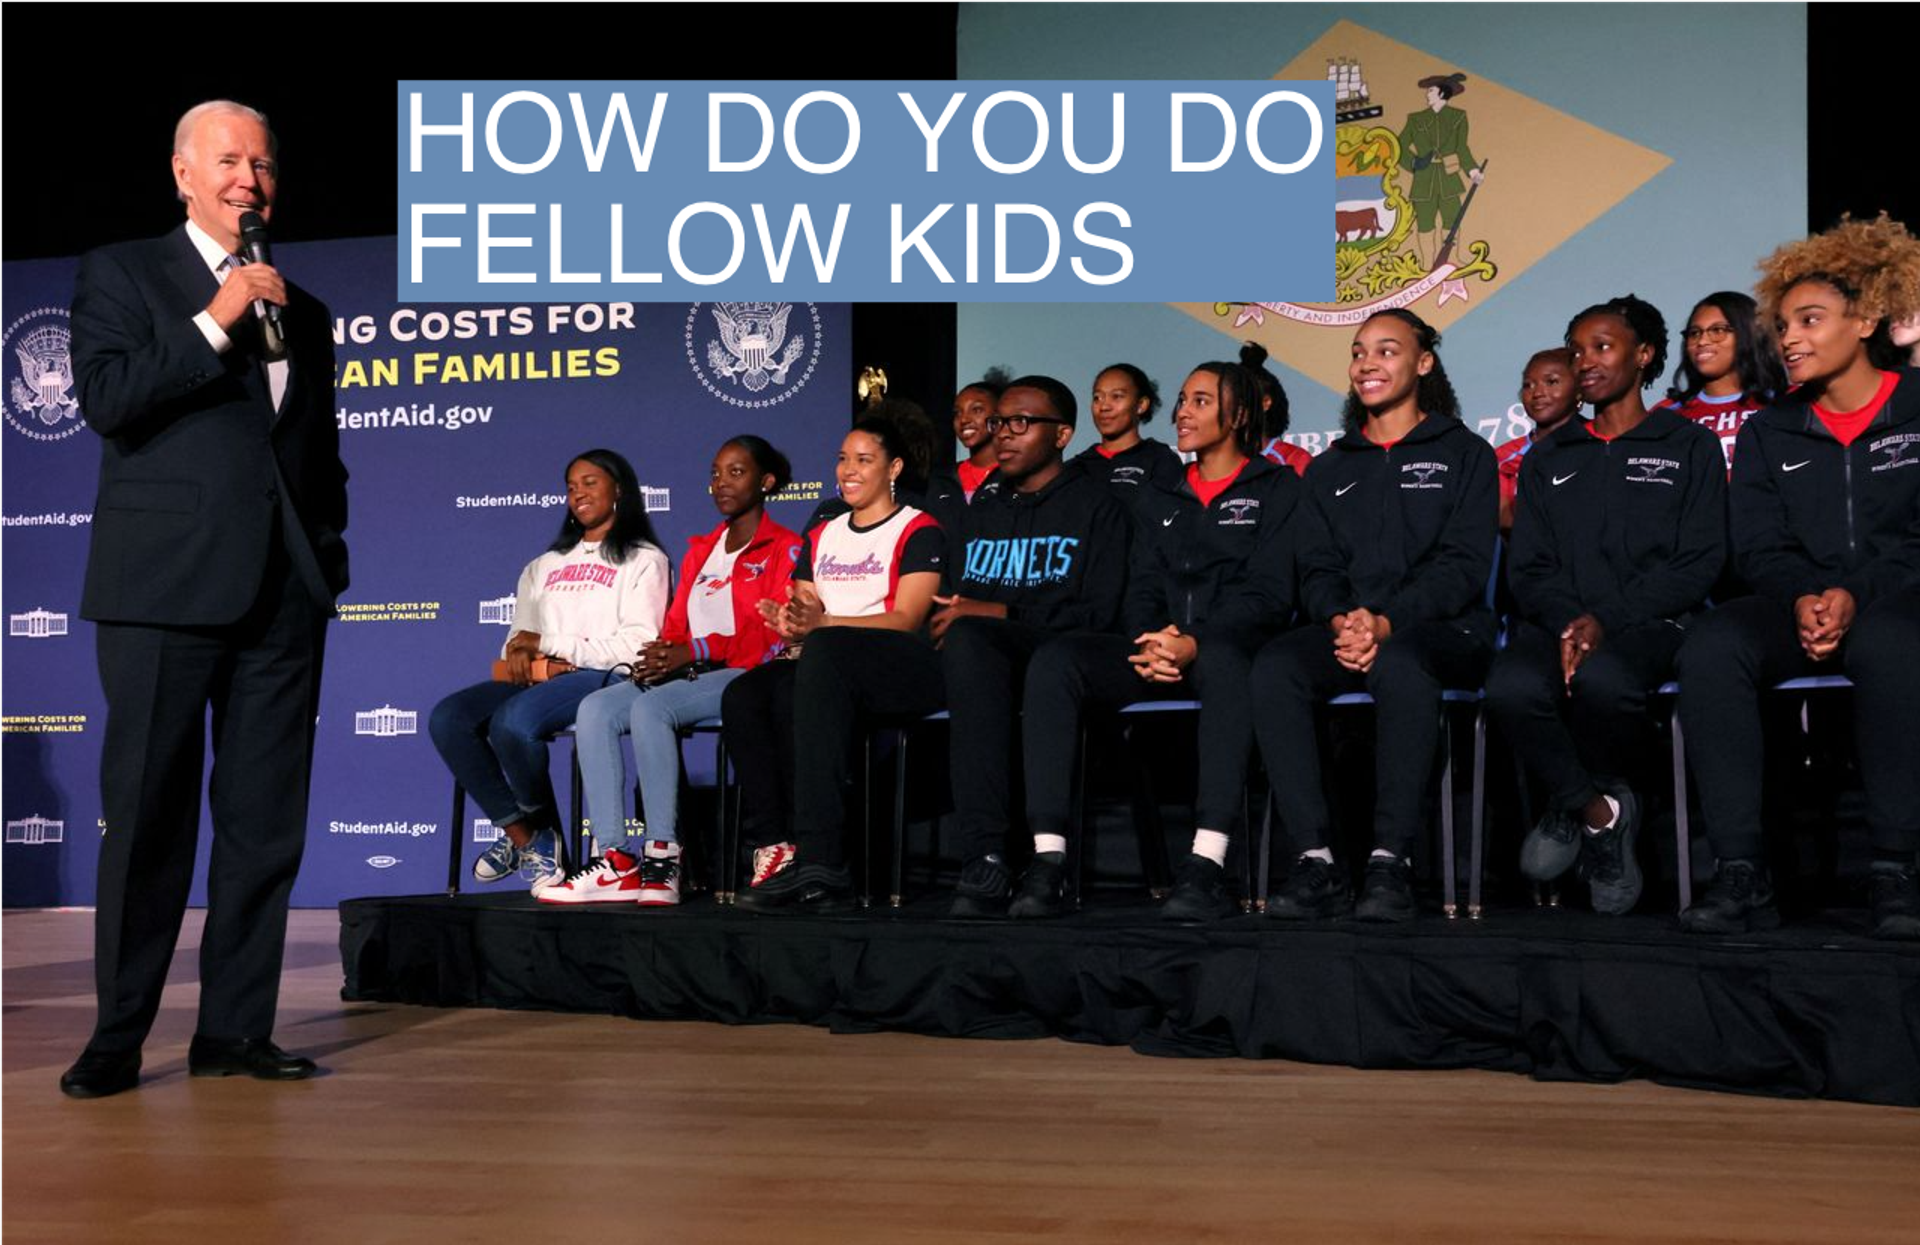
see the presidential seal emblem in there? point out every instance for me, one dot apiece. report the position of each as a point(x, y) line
point(749, 354)
point(40, 401)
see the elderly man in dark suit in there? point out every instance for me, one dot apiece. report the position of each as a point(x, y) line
point(215, 561)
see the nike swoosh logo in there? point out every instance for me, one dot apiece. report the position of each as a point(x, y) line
point(1342, 490)
point(604, 880)
point(1559, 480)
point(1168, 521)
point(1795, 466)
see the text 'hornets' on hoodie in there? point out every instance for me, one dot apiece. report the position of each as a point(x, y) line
point(1221, 570)
point(1809, 514)
point(1629, 530)
point(1406, 531)
point(1056, 557)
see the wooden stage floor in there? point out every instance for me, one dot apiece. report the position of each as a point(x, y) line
point(466, 1125)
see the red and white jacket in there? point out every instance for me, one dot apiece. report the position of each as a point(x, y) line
point(761, 573)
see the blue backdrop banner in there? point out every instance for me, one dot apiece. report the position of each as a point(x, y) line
point(456, 424)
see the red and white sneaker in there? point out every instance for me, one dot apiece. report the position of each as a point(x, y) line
point(659, 874)
point(614, 878)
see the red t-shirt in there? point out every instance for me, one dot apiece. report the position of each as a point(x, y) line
point(970, 476)
point(1846, 426)
point(1207, 490)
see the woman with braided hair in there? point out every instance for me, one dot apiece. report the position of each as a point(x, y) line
point(1619, 533)
point(1825, 523)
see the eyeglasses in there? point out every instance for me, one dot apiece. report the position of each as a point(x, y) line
point(1017, 424)
point(1707, 332)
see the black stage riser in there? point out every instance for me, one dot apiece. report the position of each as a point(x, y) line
point(1814, 1010)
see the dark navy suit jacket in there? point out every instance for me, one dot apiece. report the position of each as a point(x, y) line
point(196, 465)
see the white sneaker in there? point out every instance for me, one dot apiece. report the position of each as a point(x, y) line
point(614, 878)
point(659, 875)
point(540, 861)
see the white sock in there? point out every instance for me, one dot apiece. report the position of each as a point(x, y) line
point(1322, 854)
point(1212, 844)
point(1381, 853)
point(1613, 815)
point(1050, 843)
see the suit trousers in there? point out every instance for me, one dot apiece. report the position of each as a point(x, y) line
point(260, 676)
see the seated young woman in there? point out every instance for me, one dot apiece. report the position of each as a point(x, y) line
point(1825, 522)
point(1125, 458)
point(861, 591)
point(1394, 544)
point(582, 608)
point(713, 634)
point(1209, 582)
point(1619, 535)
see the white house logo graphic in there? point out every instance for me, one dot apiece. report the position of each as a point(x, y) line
point(36, 829)
point(37, 624)
point(499, 610)
point(484, 831)
point(657, 499)
point(387, 721)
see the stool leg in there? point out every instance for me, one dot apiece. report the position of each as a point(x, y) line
point(1448, 899)
point(898, 891)
point(458, 833)
point(722, 873)
point(1265, 867)
point(1477, 852)
point(1682, 831)
point(1077, 847)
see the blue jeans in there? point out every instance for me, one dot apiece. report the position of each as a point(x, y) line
point(655, 717)
point(493, 736)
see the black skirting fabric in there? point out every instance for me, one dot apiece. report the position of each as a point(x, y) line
point(1812, 1010)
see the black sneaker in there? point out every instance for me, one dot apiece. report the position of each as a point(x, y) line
point(1894, 900)
point(1043, 888)
point(984, 886)
point(1607, 861)
point(1315, 890)
point(1739, 900)
point(793, 885)
point(1199, 892)
point(1551, 847)
point(1386, 893)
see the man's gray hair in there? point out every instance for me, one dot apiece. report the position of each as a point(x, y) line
point(192, 117)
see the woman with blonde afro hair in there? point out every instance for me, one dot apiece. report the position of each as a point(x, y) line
point(1825, 520)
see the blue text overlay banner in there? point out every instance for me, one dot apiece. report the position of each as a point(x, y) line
point(867, 191)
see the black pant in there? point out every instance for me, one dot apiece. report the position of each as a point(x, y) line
point(1737, 651)
point(986, 662)
point(261, 677)
point(1295, 672)
point(1575, 739)
point(848, 677)
point(1078, 674)
point(756, 720)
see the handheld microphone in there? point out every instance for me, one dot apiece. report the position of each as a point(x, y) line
point(255, 246)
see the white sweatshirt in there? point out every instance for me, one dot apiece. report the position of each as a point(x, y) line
point(589, 611)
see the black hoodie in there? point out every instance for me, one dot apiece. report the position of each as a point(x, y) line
point(1223, 570)
point(1407, 532)
point(1056, 557)
point(1629, 530)
point(1810, 514)
point(1133, 472)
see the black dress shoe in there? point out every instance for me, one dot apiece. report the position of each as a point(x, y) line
point(101, 1074)
point(258, 1058)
